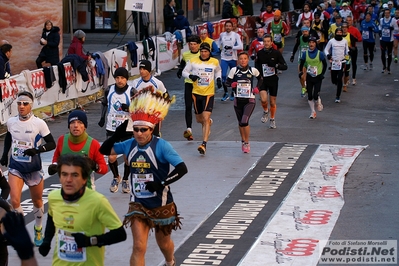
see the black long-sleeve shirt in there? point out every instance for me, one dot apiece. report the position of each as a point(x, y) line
point(272, 58)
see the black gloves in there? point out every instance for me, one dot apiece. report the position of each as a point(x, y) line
point(4, 160)
point(153, 186)
point(316, 28)
point(226, 47)
point(329, 57)
point(300, 75)
point(246, 48)
point(31, 152)
point(179, 73)
point(321, 76)
point(253, 57)
point(119, 133)
point(45, 247)
point(52, 169)
point(93, 165)
point(391, 28)
point(370, 28)
point(292, 58)
point(219, 82)
point(193, 77)
point(81, 240)
point(101, 122)
point(282, 34)
point(17, 235)
point(125, 107)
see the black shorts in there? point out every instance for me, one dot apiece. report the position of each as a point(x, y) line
point(270, 85)
point(202, 103)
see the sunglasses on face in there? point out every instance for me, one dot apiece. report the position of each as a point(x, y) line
point(23, 103)
point(141, 129)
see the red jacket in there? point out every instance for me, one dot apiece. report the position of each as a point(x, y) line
point(76, 47)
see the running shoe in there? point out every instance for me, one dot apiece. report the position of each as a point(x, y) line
point(383, 70)
point(264, 117)
point(279, 72)
point(125, 186)
point(303, 92)
point(174, 263)
point(365, 67)
point(395, 59)
point(114, 184)
point(319, 105)
point(371, 66)
point(389, 71)
point(312, 115)
point(225, 97)
point(232, 96)
point(202, 149)
point(272, 124)
point(38, 236)
point(246, 148)
point(353, 82)
point(337, 100)
point(188, 135)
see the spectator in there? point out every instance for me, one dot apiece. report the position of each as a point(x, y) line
point(49, 55)
point(169, 14)
point(227, 11)
point(181, 23)
point(76, 46)
point(5, 54)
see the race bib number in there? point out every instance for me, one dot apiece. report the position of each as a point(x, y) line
point(268, 71)
point(243, 90)
point(68, 249)
point(386, 33)
point(205, 78)
point(312, 71)
point(139, 186)
point(365, 35)
point(117, 120)
point(228, 52)
point(278, 37)
point(18, 148)
point(336, 65)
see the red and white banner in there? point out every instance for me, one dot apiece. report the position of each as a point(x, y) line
point(300, 229)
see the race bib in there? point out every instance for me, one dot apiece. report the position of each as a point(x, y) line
point(386, 33)
point(18, 148)
point(68, 249)
point(243, 90)
point(336, 65)
point(312, 71)
point(268, 71)
point(205, 78)
point(278, 37)
point(365, 35)
point(117, 120)
point(139, 186)
point(228, 52)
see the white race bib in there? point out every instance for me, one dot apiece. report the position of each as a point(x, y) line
point(365, 35)
point(268, 71)
point(278, 37)
point(243, 90)
point(336, 65)
point(312, 71)
point(68, 249)
point(386, 33)
point(139, 186)
point(117, 120)
point(18, 148)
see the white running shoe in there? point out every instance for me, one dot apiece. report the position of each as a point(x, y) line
point(264, 117)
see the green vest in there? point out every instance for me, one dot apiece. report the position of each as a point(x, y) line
point(303, 46)
point(84, 151)
point(314, 67)
point(276, 31)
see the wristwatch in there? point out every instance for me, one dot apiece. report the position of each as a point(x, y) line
point(93, 241)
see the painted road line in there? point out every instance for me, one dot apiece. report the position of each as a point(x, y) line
point(298, 232)
point(226, 236)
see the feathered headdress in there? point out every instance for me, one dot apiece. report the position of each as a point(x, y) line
point(148, 107)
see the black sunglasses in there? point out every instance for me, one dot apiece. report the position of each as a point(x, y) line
point(23, 103)
point(141, 129)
